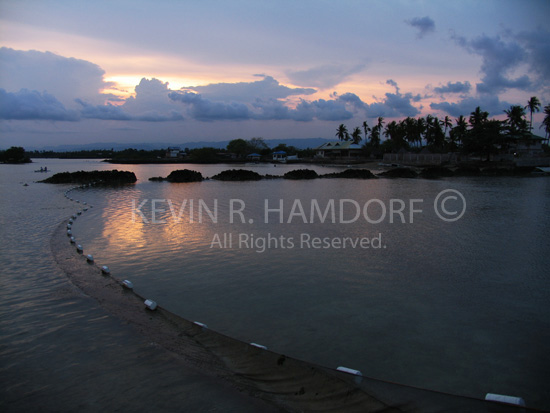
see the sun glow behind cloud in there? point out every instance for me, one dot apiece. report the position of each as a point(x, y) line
point(320, 63)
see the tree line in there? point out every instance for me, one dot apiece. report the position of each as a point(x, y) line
point(478, 133)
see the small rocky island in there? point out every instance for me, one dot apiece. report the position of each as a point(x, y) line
point(113, 177)
point(180, 175)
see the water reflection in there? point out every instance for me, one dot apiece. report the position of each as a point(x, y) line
point(443, 306)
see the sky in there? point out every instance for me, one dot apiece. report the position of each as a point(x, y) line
point(78, 72)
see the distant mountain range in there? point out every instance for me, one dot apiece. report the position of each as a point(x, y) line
point(300, 143)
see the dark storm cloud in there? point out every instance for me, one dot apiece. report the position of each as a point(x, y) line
point(66, 78)
point(104, 112)
point(424, 25)
point(450, 87)
point(499, 59)
point(33, 105)
point(267, 88)
point(207, 110)
point(394, 105)
point(537, 45)
point(491, 104)
point(325, 76)
point(332, 110)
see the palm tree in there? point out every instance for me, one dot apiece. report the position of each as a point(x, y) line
point(447, 123)
point(380, 122)
point(366, 129)
point(477, 117)
point(546, 122)
point(356, 135)
point(533, 105)
point(342, 132)
point(516, 122)
point(421, 129)
point(458, 133)
point(375, 136)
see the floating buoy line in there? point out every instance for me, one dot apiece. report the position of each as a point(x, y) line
point(151, 305)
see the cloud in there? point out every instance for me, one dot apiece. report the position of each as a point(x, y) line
point(536, 44)
point(491, 104)
point(151, 102)
point(104, 112)
point(33, 105)
point(424, 25)
point(499, 59)
point(267, 88)
point(207, 110)
point(66, 78)
point(332, 110)
point(450, 87)
point(325, 76)
point(393, 105)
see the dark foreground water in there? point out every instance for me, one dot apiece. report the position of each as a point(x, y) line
point(59, 351)
point(460, 307)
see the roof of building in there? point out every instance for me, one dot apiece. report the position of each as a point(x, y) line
point(337, 145)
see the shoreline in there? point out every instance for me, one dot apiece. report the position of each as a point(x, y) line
point(287, 383)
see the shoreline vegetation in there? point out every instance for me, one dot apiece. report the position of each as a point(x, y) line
point(116, 177)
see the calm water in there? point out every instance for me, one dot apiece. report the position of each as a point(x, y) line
point(461, 307)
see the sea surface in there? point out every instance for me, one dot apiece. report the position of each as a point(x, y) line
point(438, 284)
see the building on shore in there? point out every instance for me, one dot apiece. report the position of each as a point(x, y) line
point(337, 149)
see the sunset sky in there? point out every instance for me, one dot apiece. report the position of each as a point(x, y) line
point(180, 71)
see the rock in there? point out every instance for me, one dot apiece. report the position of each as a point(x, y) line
point(351, 174)
point(184, 175)
point(301, 174)
point(86, 177)
point(237, 175)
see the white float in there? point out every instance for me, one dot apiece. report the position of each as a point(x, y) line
point(69, 232)
point(127, 284)
point(73, 240)
point(90, 258)
point(350, 371)
point(258, 346)
point(150, 304)
point(79, 248)
point(105, 270)
point(501, 398)
point(200, 324)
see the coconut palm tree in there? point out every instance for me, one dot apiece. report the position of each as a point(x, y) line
point(366, 129)
point(477, 117)
point(356, 135)
point(458, 133)
point(342, 132)
point(447, 123)
point(380, 122)
point(516, 122)
point(546, 122)
point(533, 105)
